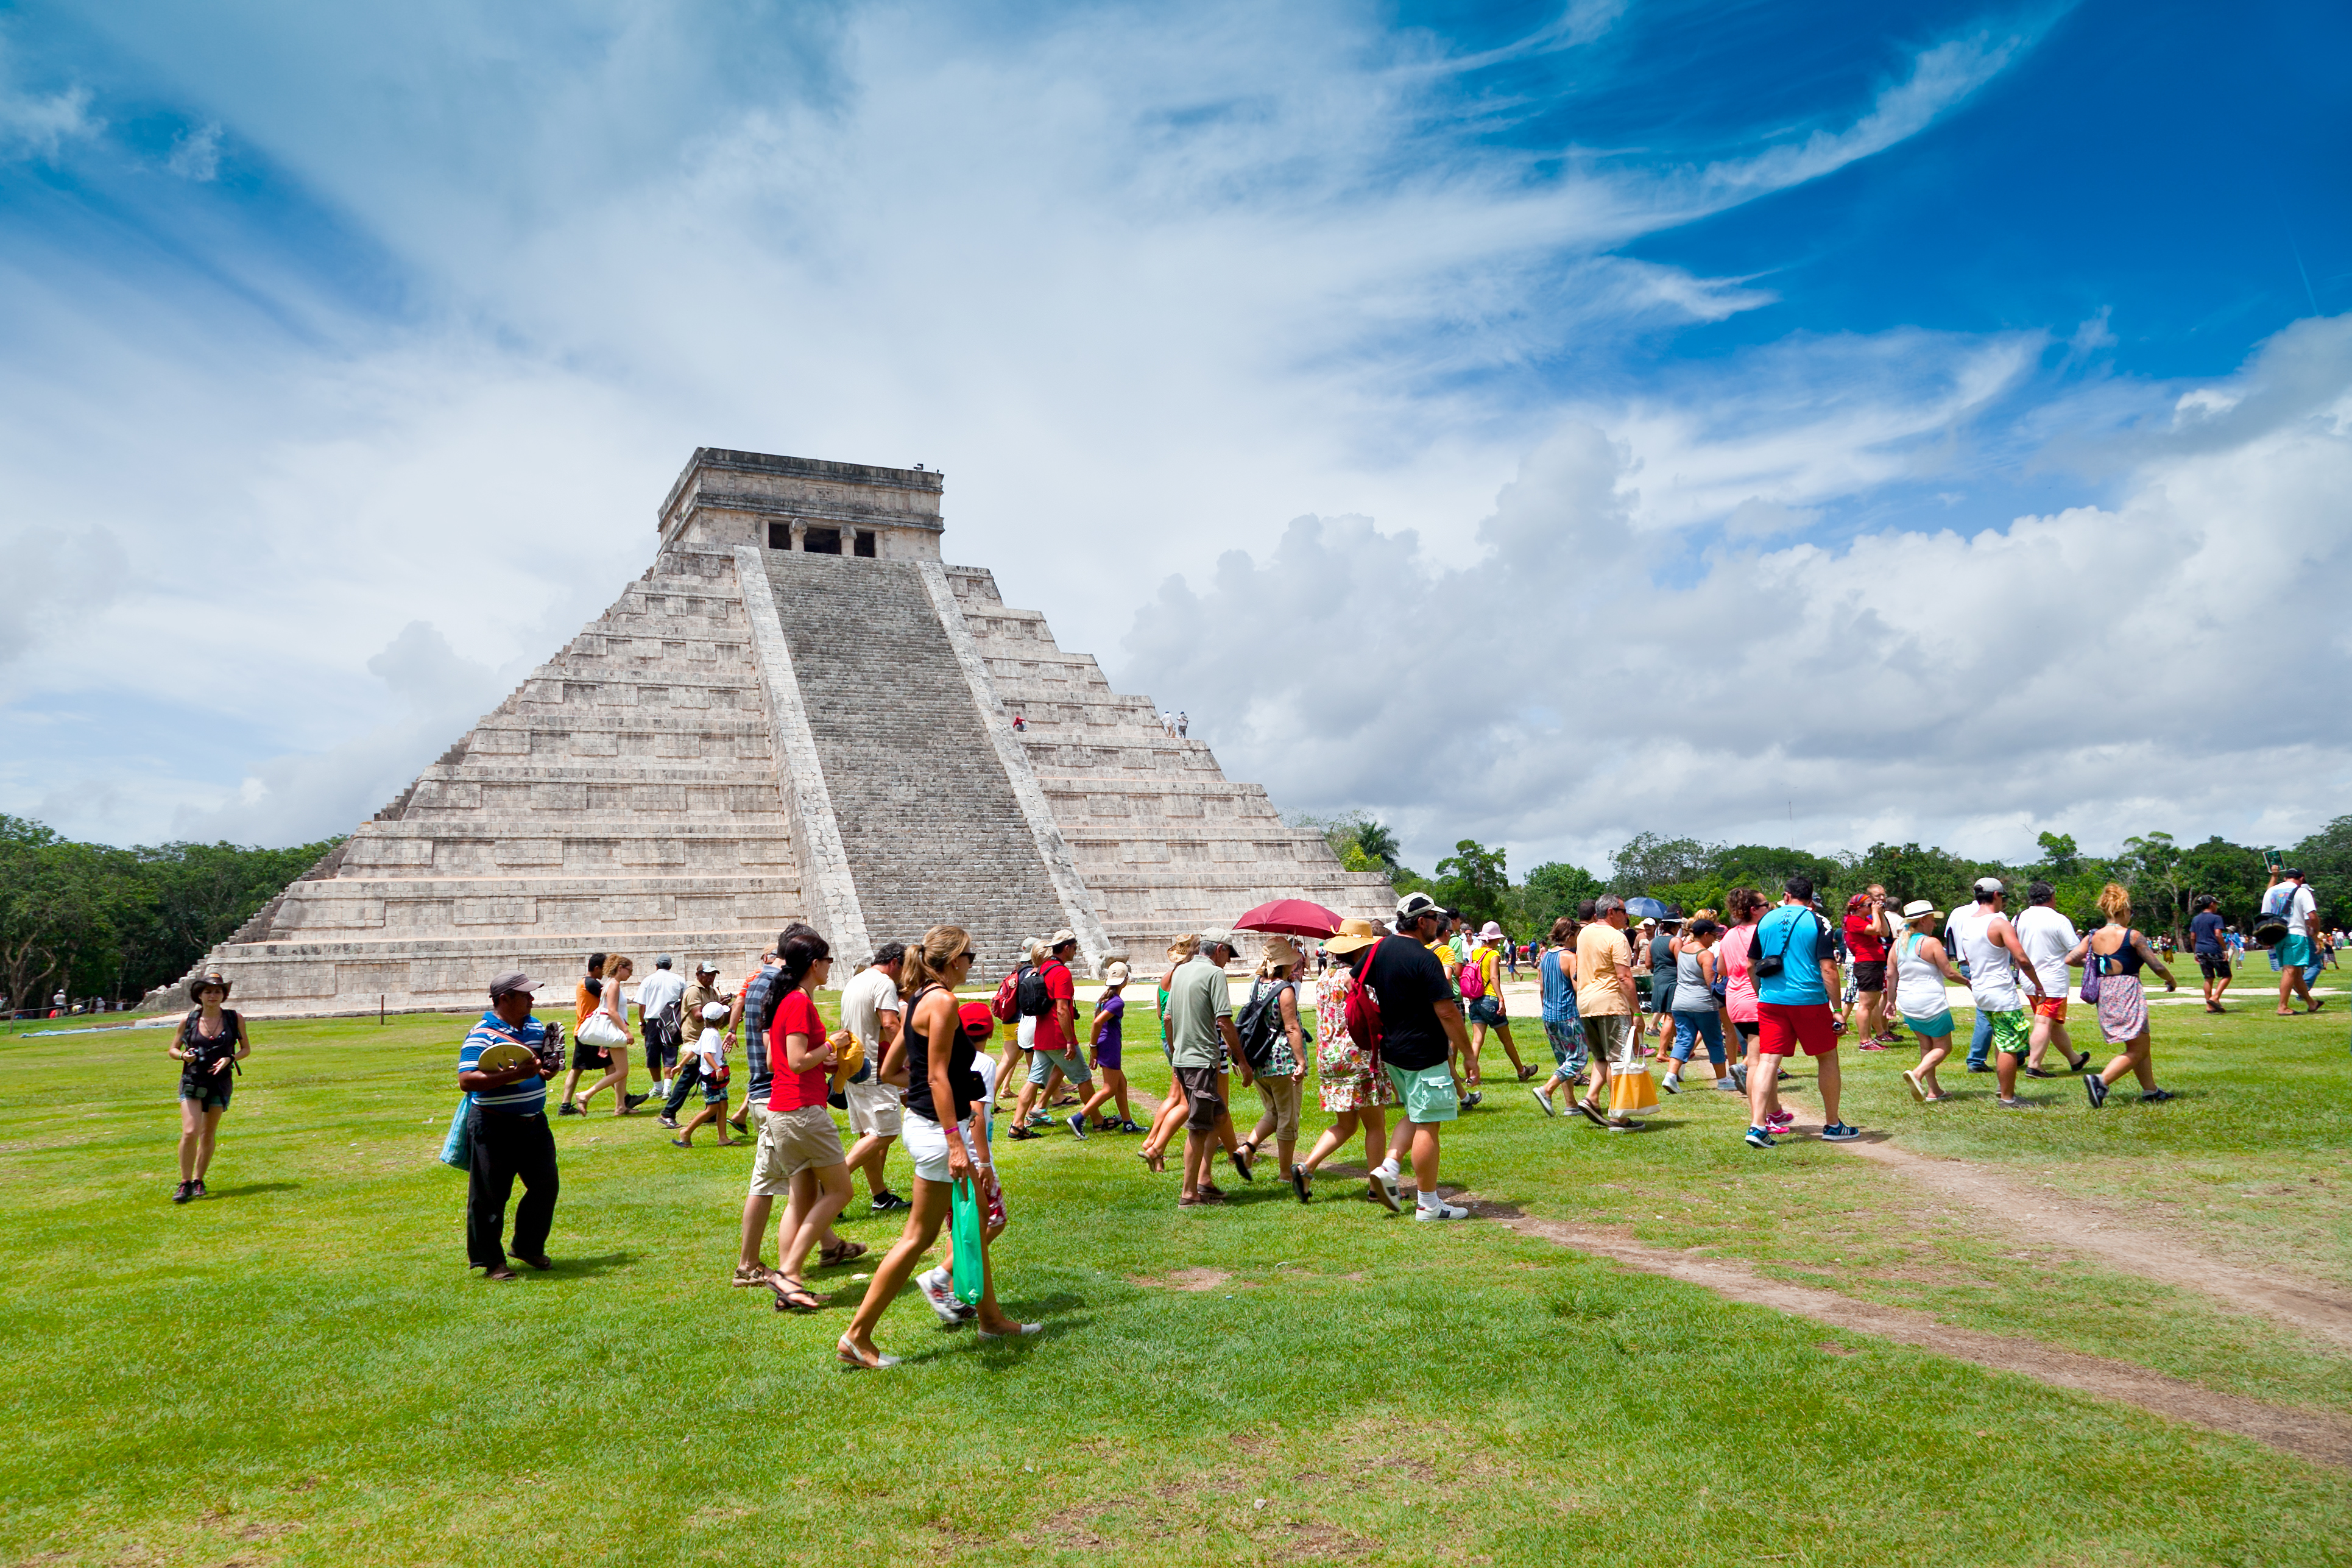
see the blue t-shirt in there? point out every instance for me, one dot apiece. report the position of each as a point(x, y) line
point(1799, 983)
point(2206, 927)
point(1559, 991)
point(525, 1096)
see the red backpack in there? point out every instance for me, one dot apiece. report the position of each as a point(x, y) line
point(1006, 1004)
point(1364, 1009)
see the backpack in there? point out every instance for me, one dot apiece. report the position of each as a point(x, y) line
point(1260, 1024)
point(1364, 1009)
point(1005, 1006)
point(1031, 994)
point(1472, 979)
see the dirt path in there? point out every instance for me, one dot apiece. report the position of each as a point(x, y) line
point(2324, 1439)
point(2047, 1215)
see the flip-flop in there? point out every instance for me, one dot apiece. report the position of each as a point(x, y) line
point(1593, 1115)
point(1916, 1093)
point(679, 1144)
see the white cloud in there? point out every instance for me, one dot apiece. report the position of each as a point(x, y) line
point(36, 124)
point(196, 154)
point(2098, 671)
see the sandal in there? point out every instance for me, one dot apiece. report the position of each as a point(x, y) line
point(749, 1274)
point(852, 1356)
point(792, 1296)
point(842, 1254)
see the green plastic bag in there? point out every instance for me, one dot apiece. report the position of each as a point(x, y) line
point(963, 1229)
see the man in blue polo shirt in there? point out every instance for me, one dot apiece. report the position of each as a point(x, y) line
point(506, 1130)
point(1795, 966)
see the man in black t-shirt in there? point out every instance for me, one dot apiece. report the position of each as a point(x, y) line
point(1421, 1035)
point(2212, 951)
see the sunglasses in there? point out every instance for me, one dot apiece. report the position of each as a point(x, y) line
point(966, 956)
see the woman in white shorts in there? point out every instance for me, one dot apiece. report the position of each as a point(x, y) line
point(941, 1090)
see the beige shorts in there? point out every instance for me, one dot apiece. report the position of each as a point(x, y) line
point(791, 1141)
point(875, 1109)
point(1280, 1097)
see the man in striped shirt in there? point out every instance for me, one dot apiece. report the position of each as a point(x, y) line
point(506, 1132)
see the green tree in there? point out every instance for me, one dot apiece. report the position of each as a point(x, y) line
point(1651, 859)
point(2060, 857)
point(1554, 889)
point(2325, 860)
point(1765, 867)
point(2232, 873)
point(1473, 880)
point(2152, 867)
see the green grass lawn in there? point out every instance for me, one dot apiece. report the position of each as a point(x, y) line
point(301, 1370)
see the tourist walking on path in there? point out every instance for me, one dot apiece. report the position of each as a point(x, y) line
point(1746, 905)
point(747, 1017)
point(1915, 991)
point(1202, 1039)
point(1694, 1013)
point(612, 1003)
point(702, 1063)
point(1173, 1111)
point(1866, 931)
point(1053, 1047)
point(2212, 948)
point(1488, 1010)
point(2297, 952)
point(1014, 1069)
point(799, 1148)
point(869, 1010)
point(1610, 1005)
point(1658, 950)
point(661, 1022)
point(1104, 1055)
point(211, 1042)
point(1280, 1072)
point(1563, 1025)
point(585, 1057)
point(2118, 953)
point(1795, 966)
point(1995, 958)
point(1352, 1085)
point(1421, 1036)
point(941, 1090)
point(2047, 938)
point(507, 1135)
point(699, 1007)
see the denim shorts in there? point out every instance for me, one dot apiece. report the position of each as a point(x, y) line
point(1486, 1010)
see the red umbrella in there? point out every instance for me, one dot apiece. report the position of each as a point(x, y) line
point(1291, 916)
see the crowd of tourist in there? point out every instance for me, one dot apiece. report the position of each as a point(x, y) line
point(1384, 1017)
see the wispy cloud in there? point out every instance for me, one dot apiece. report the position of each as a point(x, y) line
point(35, 124)
point(196, 154)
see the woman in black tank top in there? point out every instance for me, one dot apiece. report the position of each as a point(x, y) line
point(210, 1043)
point(939, 1078)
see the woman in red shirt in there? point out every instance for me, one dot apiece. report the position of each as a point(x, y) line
point(799, 1148)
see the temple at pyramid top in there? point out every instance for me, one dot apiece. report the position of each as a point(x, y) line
point(798, 713)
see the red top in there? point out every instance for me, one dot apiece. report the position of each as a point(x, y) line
point(1061, 989)
point(796, 1014)
point(1867, 945)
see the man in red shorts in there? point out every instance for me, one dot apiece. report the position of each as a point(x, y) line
point(1795, 966)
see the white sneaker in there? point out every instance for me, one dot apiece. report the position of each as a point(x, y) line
point(937, 1289)
point(1385, 1177)
point(1442, 1211)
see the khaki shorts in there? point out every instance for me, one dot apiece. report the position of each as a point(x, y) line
point(1280, 1097)
point(875, 1109)
point(791, 1141)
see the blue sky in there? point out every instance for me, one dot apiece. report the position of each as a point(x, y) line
point(1973, 379)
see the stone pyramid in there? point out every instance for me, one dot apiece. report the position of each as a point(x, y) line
point(798, 713)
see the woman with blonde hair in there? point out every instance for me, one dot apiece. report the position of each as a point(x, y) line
point(1282, 1076)
point(612, 1004)
point(941, 1090)
point(2116, 954)
point(1174, 1109)
point(1352, 1088)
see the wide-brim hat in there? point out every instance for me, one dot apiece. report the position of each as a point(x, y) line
point(1353, 936)
point(1280, 950)
point(1492, 932)
point(205, 982)
point(1917, 908)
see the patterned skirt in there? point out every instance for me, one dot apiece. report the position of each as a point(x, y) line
point(2123, 1007)
point(1345, 1079)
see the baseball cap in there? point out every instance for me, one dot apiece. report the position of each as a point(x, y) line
point(1989, 885)
point(1413, 906)
point(1217, 939)
point(512, 980)
point(1116, 975)
point(1059, 937)
point(978, 1021)
point(707, 966)
point(715, 1011)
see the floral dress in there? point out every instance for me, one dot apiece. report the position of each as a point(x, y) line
point(1347, 1081)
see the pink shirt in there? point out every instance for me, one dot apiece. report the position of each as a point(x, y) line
point(1738, 985)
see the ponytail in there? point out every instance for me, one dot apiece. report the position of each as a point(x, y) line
point(799, 954)
point(927, 960)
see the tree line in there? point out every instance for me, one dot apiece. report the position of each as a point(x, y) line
point(2163, 874)
point(97, 920)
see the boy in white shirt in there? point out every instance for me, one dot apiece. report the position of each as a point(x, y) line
point(703, 1059)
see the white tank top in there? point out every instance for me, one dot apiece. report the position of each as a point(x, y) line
point(1919, 984)
point(1992, 974)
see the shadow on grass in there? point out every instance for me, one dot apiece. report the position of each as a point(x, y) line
point(252, 1189)
point(589, 1267)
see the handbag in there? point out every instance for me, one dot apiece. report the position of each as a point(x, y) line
point(2090, 991)
point(602, 1029)
point(456, 1149)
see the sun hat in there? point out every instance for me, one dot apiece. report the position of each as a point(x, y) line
point(1915, 908)
point(1491, 931)
point(1649, 920)
point(1279, 950)
point(1353, 936)
point(1116, 975)
point(210, 978)
point(512, 980)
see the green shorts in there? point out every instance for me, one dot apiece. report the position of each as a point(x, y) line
point(1426, 1093)
point(2293, 952)
point(2012, 1032)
